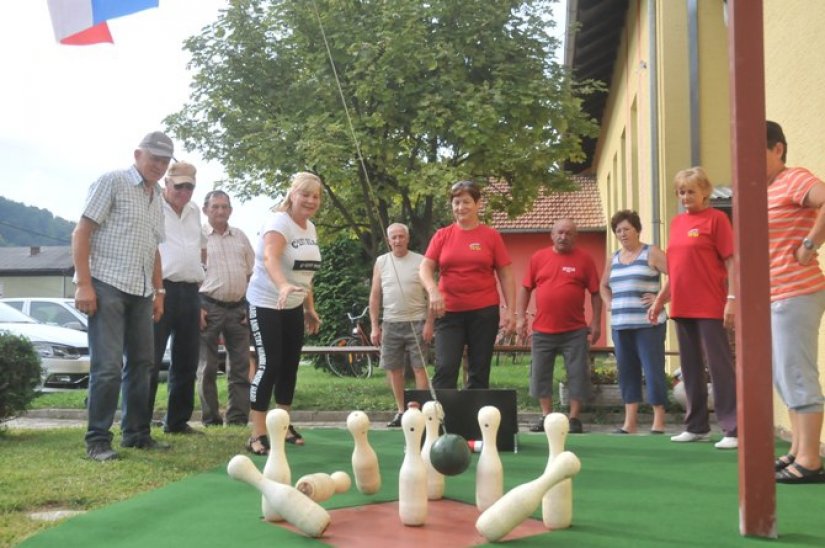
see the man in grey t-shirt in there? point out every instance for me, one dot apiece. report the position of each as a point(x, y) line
point(407, 326)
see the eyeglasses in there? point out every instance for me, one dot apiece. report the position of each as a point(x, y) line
point(184, 186)
point(462, 185)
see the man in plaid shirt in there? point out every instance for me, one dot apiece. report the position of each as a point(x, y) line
point(119, 286)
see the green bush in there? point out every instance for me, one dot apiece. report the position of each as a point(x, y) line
point(19, 374)
point(342, 285)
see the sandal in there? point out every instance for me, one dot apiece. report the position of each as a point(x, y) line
point(262, 440)
point(783, 462)
point(803, 475)
point(292, 436)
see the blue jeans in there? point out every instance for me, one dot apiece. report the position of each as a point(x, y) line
point(637, 350)
point(121, 348)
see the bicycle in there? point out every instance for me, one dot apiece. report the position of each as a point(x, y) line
point(352, 364)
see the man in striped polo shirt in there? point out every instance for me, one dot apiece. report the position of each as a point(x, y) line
point(230, 259)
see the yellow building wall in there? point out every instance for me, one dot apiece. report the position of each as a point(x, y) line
point(714, 94)
point(795, 97)
point(623, 160)
point(795, 93)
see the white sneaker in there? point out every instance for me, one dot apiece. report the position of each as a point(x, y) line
point(690, 436)
point(727, 443)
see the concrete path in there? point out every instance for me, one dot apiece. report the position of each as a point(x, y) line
point(76, 418)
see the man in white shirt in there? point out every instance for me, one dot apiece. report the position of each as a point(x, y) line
point(183, 256)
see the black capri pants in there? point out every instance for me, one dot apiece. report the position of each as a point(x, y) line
point(279, 337)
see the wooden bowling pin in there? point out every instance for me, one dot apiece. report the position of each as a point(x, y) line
point(434, 415)
point(489, 471)
point(521, 501)
point(364, 460)
point(287, 501)
point(412, 478)
point(320, 487)
point(276, 467)
point(557, 503)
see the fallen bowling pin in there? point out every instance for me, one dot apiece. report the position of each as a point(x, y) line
point(412, 478)
point(489, 471)
point(364, 460)
point(296, 508)
point(434, 415)
point(521, 501)
point(320, 487)
point(276, 467)
point(557, 503)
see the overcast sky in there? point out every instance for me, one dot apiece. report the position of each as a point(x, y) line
point(70, 113)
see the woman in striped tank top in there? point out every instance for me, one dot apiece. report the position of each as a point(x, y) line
point(629, 285)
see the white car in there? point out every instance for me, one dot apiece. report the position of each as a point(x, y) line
point(50, 311)
point(64, 353)
point(62, 312)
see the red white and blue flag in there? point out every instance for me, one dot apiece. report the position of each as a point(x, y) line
point(83, 22)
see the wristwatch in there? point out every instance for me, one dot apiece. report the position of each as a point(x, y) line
point(808, 244)
point(160, 291)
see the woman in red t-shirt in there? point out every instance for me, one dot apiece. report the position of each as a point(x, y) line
point(468, 255)
point(700, 290)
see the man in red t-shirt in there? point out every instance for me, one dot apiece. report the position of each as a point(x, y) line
point(560, 274)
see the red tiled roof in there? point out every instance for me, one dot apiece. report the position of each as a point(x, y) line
point(582, 205)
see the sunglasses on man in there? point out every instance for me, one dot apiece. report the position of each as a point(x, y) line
point(184, 186)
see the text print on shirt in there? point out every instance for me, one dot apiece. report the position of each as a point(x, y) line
point(306, 265)
point(298, 242)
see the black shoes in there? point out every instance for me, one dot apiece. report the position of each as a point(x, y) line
point(576, 426)
point(101, 452)
point(148, 443)
point(396, 421)
point(538, 426)
point(186, 430)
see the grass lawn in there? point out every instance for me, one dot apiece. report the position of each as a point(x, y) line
point(320, 390)
point(44, 470)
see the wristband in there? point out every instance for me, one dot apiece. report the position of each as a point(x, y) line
point(731, 297)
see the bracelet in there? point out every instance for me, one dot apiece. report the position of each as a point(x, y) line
point(731, 297)
point(160, 290)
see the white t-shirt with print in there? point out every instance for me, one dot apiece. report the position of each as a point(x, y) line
point(300, 260)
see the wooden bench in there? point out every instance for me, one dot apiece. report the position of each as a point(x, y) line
point(594, 350)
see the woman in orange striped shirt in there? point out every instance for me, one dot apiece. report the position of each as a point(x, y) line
point(796, 223)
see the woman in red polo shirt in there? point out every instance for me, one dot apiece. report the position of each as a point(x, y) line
point(468, 255)
point(700, 290)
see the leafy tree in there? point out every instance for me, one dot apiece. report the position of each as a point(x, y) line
point(341, 286)
point(436, 91)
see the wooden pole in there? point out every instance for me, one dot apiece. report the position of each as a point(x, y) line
point(757, 488)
